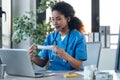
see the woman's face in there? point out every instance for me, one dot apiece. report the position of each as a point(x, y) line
point(59, 21)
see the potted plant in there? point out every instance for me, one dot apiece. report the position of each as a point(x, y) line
point(24, 27)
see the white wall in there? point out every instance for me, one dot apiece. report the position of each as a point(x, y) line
point(107, 59)
point(19, 7)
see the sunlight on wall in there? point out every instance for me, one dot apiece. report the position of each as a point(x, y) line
point(83, 11)
point(110, 16)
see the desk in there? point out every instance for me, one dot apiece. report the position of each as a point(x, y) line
point(59, 76)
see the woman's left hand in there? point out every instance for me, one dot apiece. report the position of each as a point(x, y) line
point(60, 52)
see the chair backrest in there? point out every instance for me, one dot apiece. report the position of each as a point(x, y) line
point(93, 54)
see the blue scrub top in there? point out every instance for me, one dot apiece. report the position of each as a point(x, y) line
point(76, 47)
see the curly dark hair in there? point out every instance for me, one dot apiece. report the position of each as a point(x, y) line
point(68, 11)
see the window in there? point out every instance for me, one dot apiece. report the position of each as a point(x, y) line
point(110, 16)
point(6, 24)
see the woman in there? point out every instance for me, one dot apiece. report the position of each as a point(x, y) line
point(70, 45)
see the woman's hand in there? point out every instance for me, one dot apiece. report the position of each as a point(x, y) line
point(61, 53)
point(31, 51)
point(37, 60)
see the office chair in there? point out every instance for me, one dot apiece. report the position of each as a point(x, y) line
point(93, 54)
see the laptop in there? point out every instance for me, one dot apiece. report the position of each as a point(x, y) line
point(18, 63)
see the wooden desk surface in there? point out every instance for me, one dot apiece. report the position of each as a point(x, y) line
point(59, 76)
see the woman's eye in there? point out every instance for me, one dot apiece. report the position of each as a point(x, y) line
point(58, 19)
point(52, 19)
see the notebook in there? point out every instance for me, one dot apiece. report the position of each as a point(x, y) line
point(18, 63)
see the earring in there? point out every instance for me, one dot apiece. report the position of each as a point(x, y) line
point(68, 20)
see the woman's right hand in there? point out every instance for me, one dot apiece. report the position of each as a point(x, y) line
point(31, 51)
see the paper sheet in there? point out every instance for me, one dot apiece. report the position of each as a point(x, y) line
point(51, 47)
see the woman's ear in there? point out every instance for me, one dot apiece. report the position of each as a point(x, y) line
point(68, 19)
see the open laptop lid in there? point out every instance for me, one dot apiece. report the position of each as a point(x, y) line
point(18, 62)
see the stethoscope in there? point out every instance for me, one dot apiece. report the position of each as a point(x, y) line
point(54, 42)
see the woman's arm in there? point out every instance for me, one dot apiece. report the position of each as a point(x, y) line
point(64, 55)
point(74, 62)
point(37, 60)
